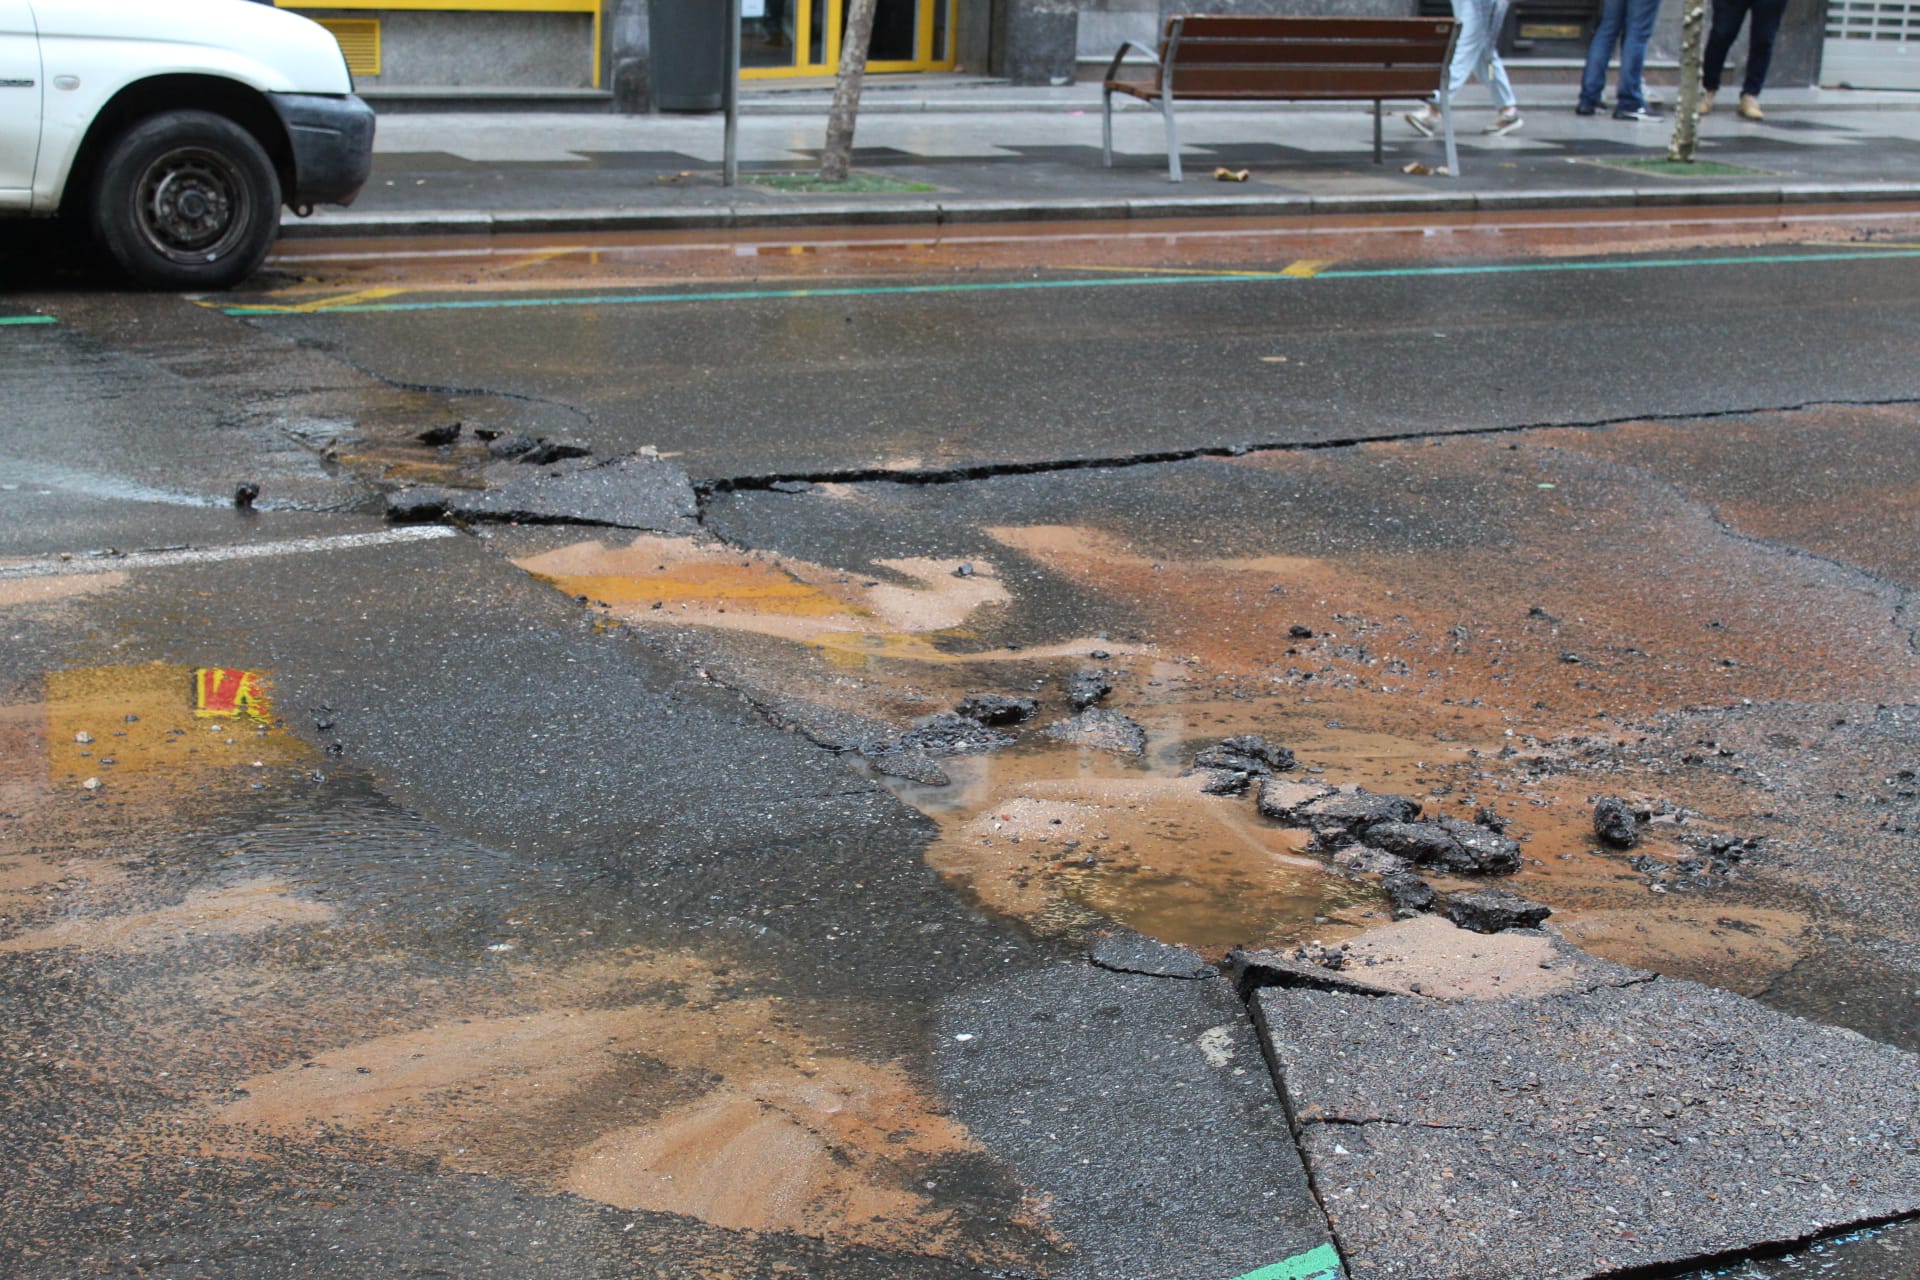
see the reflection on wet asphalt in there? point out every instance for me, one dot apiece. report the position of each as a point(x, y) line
point(573, 902)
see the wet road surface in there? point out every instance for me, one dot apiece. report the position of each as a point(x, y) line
point(550, 901)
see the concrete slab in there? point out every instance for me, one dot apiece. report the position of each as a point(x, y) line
point(1139, 1113)
point(1638, 1124)
point(634, 492)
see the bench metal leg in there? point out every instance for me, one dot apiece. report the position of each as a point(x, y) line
point(1106, 127)
point(1376, 132)
point(1173, 140)
point(1446, 121)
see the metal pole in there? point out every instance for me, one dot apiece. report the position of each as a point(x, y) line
point(731, 90)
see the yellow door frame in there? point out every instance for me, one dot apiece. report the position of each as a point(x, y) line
point(806, 12)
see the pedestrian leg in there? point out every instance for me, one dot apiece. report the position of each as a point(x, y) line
point(1766, 25)
point(1493, 72)
point(1632, 92)
point(1469, 45)
point(1727, 17)
point(1606, 34)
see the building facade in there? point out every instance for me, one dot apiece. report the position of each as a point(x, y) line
point(608, 52)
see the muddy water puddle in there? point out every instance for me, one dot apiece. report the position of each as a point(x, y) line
point(1071, 843)
point(1072, 839)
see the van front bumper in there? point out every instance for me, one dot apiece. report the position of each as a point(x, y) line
point(332, 140)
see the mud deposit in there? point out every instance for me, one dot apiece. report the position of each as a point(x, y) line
point(372, 270)
point(1519, 626)
point(225, 950)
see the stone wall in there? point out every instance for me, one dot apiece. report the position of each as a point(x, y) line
point(492, 50)
point(629, 68)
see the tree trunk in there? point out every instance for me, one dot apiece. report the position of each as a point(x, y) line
point(838, 156)
point(1686, 112)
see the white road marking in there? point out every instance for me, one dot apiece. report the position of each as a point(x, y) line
point(116, 562)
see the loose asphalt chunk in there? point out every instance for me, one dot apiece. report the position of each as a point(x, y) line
point(633, 492)
point(1138, 1110)
point(1585, 1133)
point(1101, 729)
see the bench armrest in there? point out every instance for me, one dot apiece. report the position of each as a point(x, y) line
point(1113, 68)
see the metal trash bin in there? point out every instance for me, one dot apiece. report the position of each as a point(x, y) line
point(689, 44)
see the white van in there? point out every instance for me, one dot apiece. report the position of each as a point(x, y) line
point(177, 129)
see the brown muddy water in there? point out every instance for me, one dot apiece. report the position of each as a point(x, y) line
point(1071, 839)
point(1523, 681)
point(327, 273)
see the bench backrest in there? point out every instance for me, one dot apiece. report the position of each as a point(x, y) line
point(1234, 55)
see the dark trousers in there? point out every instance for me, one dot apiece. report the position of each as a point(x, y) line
point(1727, 17)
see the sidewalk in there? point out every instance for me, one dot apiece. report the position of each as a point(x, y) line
point(969, 150)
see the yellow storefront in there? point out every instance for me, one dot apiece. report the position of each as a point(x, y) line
point(786, 38)
point(573, 45)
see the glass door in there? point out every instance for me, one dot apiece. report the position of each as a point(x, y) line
point(792, 38)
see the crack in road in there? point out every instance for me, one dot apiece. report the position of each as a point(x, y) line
point(1716, 1263)
point(1361, 1122)
point(994, 470)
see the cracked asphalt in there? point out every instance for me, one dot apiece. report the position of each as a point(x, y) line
point(580, 882)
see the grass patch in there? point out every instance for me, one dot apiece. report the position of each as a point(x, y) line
point(856, 184)
point(1661, 167)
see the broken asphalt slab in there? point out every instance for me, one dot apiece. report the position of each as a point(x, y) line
point(632, 492)
point(1125, 951)
point(1588, 1133)
point(1140, 1109)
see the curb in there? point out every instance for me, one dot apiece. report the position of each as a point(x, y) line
point(1540, 102)
point(963, 212)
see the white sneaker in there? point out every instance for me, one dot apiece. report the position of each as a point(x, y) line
point(1424, 121)
point(1504, 123)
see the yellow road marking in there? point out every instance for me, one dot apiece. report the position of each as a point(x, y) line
point(348, 299)
point(309, 308)
point(1308, 268)
point(535, 259)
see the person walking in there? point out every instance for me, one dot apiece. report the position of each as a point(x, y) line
point(1628, 23)
point(1475, 54)
point(1727, 17)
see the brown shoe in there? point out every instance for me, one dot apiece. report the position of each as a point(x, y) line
point(1750, 108)
point(1706, 102)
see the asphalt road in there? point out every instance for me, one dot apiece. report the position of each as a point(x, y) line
point(556, 913)
point(1090, 349)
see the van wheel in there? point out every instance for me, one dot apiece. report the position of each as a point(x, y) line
point(187, 200)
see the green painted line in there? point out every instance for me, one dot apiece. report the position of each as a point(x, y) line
point(5, 320)
point(1094, 282)
point(1317, 1264)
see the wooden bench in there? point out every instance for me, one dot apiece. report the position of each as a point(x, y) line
point(1244, 58)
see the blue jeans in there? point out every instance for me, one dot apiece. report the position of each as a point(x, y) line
point(1628, 23)
point(1475, 51)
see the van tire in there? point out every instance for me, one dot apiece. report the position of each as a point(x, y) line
point(186, 200)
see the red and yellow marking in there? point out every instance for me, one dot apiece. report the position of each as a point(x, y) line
point(222, 692)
